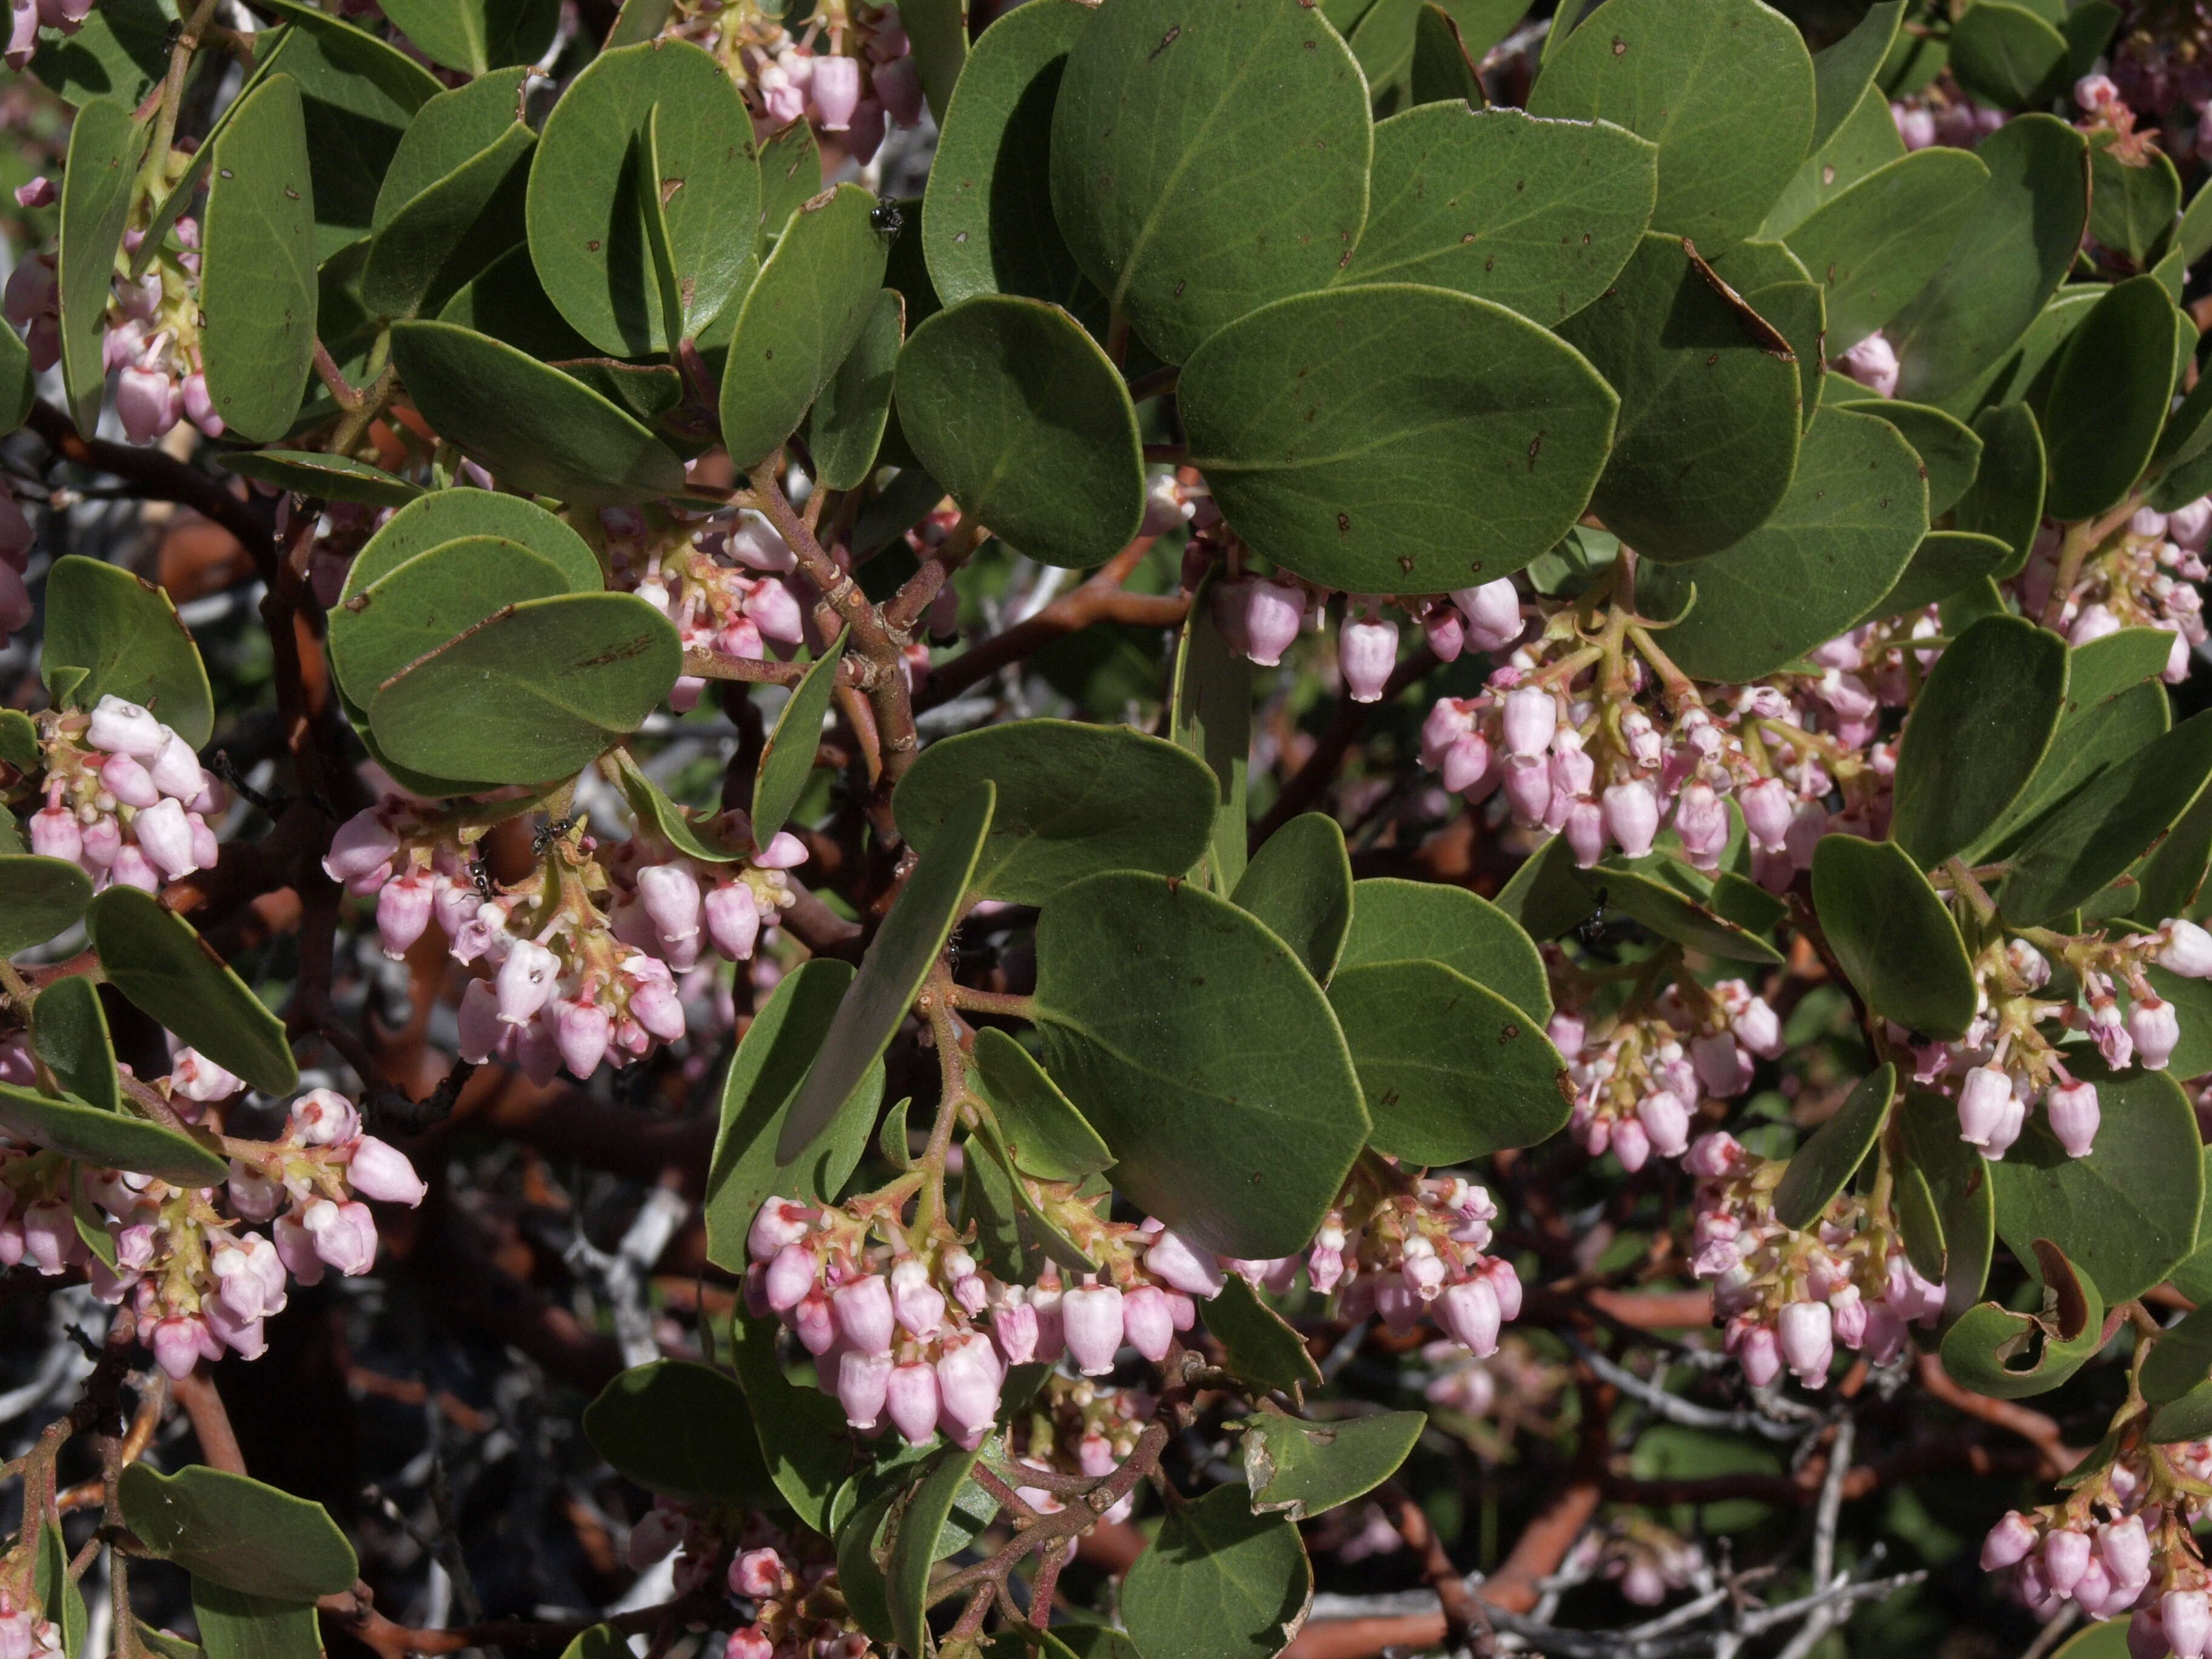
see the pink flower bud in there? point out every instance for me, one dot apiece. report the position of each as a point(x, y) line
point(671, 895)
point(344, 1235)
point(1981, 1100)
point(2187, 949)
point(910, 1396)
point(1702, 821)
point(2125, 1546)
point(1805, 1335)
point(124, 777)
point(481, 1029)
point(1767, 807)
point(1760, 1356)
point(166, 838)
point(1367, 650)
point(176, 1345)
point(1666, 1120)
point(1148, 1321)
point(403, 912)
point(1014, 1327)
point(732, 918)
point(836, 91)
point(582, 1029)
point(132, 868)
point(1272, 613)
point(363, 845)
point(918, 1305)
point(654, 1006)
point(2072, 1108)
point(1445, 632)
point(1531, 718)
point(2095, 92)
point(148, 402)
point(1090, 1318)
point(2156, 1029)
point(2065, 1556)
point(863, 1383)
point(55, 834)
point(791, 1275)
point(865, 1319)
point(816, 1325)
point(771, 608)
point(1630, 1144)
point(968, 1383)
point(2095, 621)
point(898, 85)
point(176, 770)
point(784, 851)
point(1527, 790)
point(1470, 1315)
point(1873, 363)
point(1466, 762)
point(1493, 612)
point(1631, 817)
point(382, 1172)
point(751, 1643)
point(526, 981)
point(2009, 1542)
point(1176, 1264)
point(781, 1221)
point(124, 728)
point(199, 405)
point(2187, 1616)
point(1724, 1068)
point(757, 1573)
point(207, 853)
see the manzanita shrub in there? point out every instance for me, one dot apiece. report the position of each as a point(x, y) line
point(1311, 825)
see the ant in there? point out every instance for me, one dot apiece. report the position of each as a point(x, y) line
point(1591, 929)
point(481, 878)
point(887, 217)
point(549, 834)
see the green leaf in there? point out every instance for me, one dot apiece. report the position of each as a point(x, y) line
point(507, 301)
point(1895, 939)
point(1397, 920)
point(1026, 423)
point(1299, 886)
point(1210, 716)
point(156, 959)
point(2107, 824)
point(2126, 1215)
point(806, 1443)
point(1218, 1583)
point(1980, 727)
point(1842, 73)
point(1195, 1042)
point(2132, 206)
point(847, 427)
point(2005, 1355)
point(230, 1530)
point(1443, 66)
point(2024, 367)
point(2006, 55)
point(359, 94)
point(1303, 1470)
point(105, 145)
point(1919, 1220)
point(1724, 87)
point(1946, 563)
point(449, 515)
point(1188, 194)
point(1958, 1182)
point(791, 177)
point(118, 55)
point(533, 428)
point(258, 273)
point(1451, 1070)
point(475, 36)
point(787, 761)
point(2017, 242)
point(2181, 1360)
point(39, 897)
point(441, 238)
point(1840, 541)
point(1866, 140)
point(2108, 398)
point(321, 477)
point(126, 635)
point(987, 225)
point(811, 301)
point(58, 1597)
point(681, 1431)
point(905, 949)
point(1397, 438)
point(1823, 1166)
point(70, 1033)
point(1011, 1224)
point(588, 199)
point(763, 1079)
point(19, 387)
point(1950, 451)
point(1257, 1343)
point(860, 1565)
point(449, 131)
point(914, 1544)
point(1043, 1134)
point(534, 692)
point(1873, 247)
point(939, 30)
point(108, 1140)
point(1668, 898)
point(433, 598)
point(1538, 215)
point(1382, 45)
point(1708, 435)
point(1073, 799)
point(236, 1626)
point(2006, 497)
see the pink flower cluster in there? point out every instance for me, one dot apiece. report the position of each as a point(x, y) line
point(852, 80)
point(2104, 1568)
point(198, 1282)
point(2143, 575)
point(726, 583)
point(1925, 120)
point(798, 1610)
point(126, 799)
point(1640, 1077)
point(1262, 616)
point(1790, 1298)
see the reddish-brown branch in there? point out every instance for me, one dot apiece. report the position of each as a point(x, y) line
point(162, 478)
point(210, 1422)
point(2038, 1429)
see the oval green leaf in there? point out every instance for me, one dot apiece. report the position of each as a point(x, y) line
point(155, 959)
point(1896, 941)
point(324, 478)
point(682, 1431)
point(257, 287)
point(2108, 398)
point(1197, 1045)
point(476, 35)
point(1218, 1583)
point(846, 429)
point(69, 1032)
point(1398, 920)
point(441, 238)
point(1027, 424)
point(448, 515)
point(1982, 724)
point(1187, 194)
point(234, 1531)
point(1823, 1166)
point(2005, 1355)
point(1299, 887)
point(108, 631)
point(432, 599)
point(39, 897)
point(786, 760)
point(1396, 439)
point(1043, 1134)
point(1302, 1469)
point(105, 145)
point(1072, 800)
point(108, 1140)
